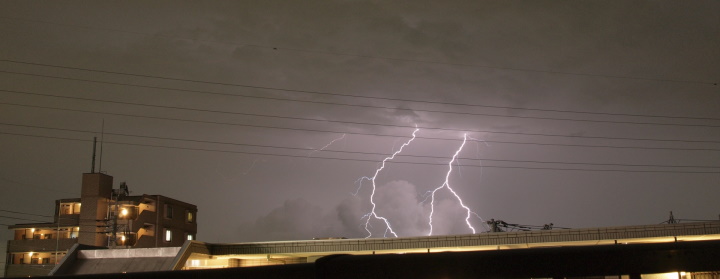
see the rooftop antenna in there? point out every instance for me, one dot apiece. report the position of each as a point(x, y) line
point(102, 136)
point(92, 169)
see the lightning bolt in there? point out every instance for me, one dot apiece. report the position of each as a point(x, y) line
point(250, 168)
point(446, 184)
point(477, 146)
point(327, 145)
point(477, 155)
point(359, 183)
point(372, 213)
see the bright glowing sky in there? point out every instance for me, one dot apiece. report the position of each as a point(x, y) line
point(617, 60)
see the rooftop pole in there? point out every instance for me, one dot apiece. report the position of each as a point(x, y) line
point(92, 169)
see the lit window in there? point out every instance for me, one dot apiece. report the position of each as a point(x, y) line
point(190, 217)
point(168, 235)
point(65, 208)
point(70, 208)
point(190, 237)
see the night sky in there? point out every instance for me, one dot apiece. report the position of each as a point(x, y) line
point(267, 114)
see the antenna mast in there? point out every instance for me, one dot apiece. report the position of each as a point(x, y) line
point(92, 169)
point(102, 136)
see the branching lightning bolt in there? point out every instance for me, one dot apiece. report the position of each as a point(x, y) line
point(477, 156)
point(359, 183)
point(372, 213)
point(446, 184)
point(327, 145)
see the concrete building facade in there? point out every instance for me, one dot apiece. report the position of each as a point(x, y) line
point(100, 217)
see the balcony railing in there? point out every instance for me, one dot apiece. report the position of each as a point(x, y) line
point(40, 245)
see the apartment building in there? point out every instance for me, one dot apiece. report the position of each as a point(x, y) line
point(100, 217)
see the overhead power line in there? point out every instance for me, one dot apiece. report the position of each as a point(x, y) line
point(31, 214)
point(367, 160)
point(337, 53)
point(514, 69)
point(356, 133)
point(23, 219)
point(297, 91)
point(365, 106)
point(357, 105)
point(355, 152)
point(339, 121)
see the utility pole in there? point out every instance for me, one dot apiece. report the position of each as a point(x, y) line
point(57, 235)
point(672, 219)
point(115, 223)
point(116, 193)
point(494, 225)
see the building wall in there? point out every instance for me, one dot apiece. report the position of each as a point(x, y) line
point(174, 218)
point(85, 221)
point(95, 198)
point(145, 226)
point(149, 218)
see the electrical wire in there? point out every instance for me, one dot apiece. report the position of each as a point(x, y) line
point(340, 121)
point(374, 161)
point(283, 89)
point(355, 152)
point(24, 219)
point(54, 224)
point(17, 212)
point(352, 133)
point(364, 106)
point(368, 134)
point(522, 143)
point(487, 67)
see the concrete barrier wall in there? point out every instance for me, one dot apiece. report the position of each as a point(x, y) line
point(483, 239)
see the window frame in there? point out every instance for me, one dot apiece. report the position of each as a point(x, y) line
point(168, 211)
point(168, 235)
point(189, 216)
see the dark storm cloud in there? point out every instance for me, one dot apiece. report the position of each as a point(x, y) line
point(295, 219)
point(400, 202)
